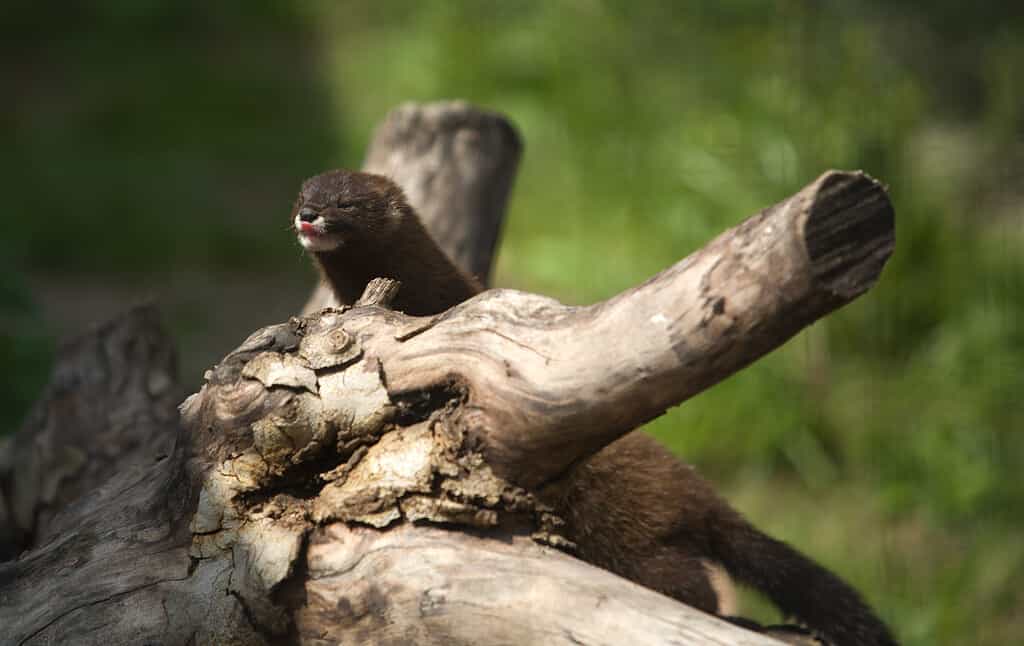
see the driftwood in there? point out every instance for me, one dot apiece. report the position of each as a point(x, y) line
point(359, 476)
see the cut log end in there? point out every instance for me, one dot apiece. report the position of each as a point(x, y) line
point(848, 232)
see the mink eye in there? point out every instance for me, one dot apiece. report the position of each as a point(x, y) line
point(347, 206)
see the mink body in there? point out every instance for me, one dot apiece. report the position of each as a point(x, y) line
point(632, 508)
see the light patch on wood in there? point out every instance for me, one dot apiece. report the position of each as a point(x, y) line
point(232, 402)
point(248, 470)
point(210, 509)
point(401, 462)
point(441, 510)
point(262, 552)
point(381, 519)
point(274, 369)
point(659, 319)
point(292, 433)
point(329, 349)
point(215, 523)
point(356, 398)
point(264, 555)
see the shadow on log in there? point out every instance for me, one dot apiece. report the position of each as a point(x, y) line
point(360, 476)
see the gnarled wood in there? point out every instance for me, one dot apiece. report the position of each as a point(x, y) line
point(549, 383)
point(359, 476)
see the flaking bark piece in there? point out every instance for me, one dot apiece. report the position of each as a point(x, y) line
point(264, 555)
point(356, 400)
point(273, 369)
point(332, 348)
point(400, 463)
point(441, 510)
point(293, 433)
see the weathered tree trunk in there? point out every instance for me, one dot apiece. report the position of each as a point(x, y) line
point(360, 476)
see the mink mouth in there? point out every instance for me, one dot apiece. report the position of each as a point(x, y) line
point(314, 235)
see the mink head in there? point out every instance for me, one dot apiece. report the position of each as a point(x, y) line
point(341, 207)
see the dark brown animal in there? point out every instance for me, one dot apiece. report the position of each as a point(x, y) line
point(360, 227)
point(632, 508)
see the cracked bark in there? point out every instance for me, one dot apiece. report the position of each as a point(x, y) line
point(359, 476)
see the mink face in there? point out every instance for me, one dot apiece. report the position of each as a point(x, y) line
point(358, 226)
point(339, 208)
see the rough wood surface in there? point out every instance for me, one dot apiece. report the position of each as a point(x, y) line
point(456, 164)
point(429, 589)
point(110, 405)
point(359, 476)
point(112, 564)
point(264, 526)
point(541, 397)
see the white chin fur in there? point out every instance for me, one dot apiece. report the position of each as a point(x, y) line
point(318, 243)
point(321, 241)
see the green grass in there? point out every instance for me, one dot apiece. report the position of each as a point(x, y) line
point(883, 440)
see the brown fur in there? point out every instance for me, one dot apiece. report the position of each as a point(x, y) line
point(632, 508)
point(383, 238)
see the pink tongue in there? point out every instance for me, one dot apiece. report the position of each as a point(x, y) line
point(308, 228)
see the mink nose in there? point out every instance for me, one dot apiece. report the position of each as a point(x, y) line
point(307, 214)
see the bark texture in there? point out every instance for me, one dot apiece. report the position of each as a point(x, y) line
point(110, 407)
point(360, 476)
point(541, 396)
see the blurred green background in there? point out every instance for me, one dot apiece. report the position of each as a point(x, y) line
point(152, 150)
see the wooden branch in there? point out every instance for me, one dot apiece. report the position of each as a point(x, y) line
point(260, 526)
point(440, 588)
point(456, 164)
point(549, 384)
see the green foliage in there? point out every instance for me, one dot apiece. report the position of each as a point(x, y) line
point(157, 135)
point(649, 128)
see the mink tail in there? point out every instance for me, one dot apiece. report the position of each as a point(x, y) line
point(798, 586)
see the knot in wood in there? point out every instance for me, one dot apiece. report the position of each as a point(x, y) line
point(340, 340)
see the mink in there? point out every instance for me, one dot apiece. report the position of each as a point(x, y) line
point(359, 227)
